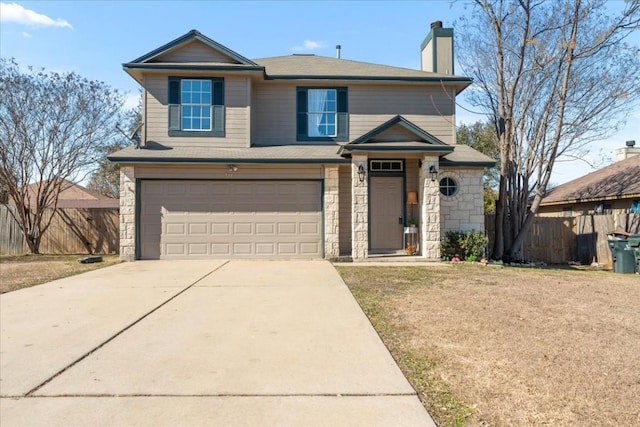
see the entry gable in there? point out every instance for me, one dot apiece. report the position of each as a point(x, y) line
point(397, 134)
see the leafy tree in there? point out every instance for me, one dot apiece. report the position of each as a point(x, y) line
point(554, 75)
point(53, 129)
point(106, 179)
point(482, 137)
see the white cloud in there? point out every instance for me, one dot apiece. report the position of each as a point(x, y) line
point(309, 45)
point(26, 35)
point(12, 12)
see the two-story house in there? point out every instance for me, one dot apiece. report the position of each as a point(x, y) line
point(298, 156)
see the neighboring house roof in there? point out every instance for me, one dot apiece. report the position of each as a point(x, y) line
point(77, 196)
point(619, 180)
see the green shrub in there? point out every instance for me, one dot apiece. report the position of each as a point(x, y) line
point(469, 246)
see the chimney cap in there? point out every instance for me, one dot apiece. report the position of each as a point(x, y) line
point(436, 24)
point(631, 143)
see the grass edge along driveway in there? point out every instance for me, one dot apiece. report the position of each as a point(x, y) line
point(510, 346)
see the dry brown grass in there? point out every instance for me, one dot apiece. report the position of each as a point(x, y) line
point(23, 271)
point(506, 347)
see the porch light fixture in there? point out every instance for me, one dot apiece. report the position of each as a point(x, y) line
point(361, 173)
point(412, 198)
point(232, 168)
point(433, 170)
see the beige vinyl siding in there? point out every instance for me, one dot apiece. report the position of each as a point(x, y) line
point(345, 209)
point(274, 112)
point(237, 113)
point(369, 106)
point(445, 55)
point(413, 173)
point(194, 51)
point(222, 172)
point(430, 109)
point(396, 133)
point(426, 57)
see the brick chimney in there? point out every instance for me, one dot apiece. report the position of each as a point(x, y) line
point(436, 53)
point(629, 150)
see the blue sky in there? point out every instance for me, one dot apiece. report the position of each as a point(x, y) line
point(94, 38)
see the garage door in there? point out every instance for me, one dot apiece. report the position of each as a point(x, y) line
point(231, 219)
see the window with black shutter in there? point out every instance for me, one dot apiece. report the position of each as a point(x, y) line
point(196, 106)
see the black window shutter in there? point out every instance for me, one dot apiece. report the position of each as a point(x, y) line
point(343, 114)
point(218, 107)
point(174, 103)
point(301, 109)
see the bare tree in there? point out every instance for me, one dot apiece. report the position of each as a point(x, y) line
point(53, 127)
point(554, 76)
point(106, 178)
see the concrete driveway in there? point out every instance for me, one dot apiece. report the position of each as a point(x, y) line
point(240, 343)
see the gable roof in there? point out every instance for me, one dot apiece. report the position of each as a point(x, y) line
point(188, 37)
point(619, 180)
point(423, 142)
point(292, 67)
point(147, 63)
point(297, 66)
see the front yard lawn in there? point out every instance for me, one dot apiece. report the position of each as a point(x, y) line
point(23, 271)
point(510, 346)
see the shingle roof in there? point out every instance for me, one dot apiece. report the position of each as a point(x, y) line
point(284, 154)
point(463, 155)
point(155, 153)
point(621, 179)
point(76, 196)
point(313, 66)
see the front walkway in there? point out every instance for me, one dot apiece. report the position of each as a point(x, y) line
point(242, 343)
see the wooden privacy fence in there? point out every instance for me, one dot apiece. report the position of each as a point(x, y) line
point(72, 231)
point(583, 238)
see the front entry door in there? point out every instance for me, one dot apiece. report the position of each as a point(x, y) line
point(386, 213)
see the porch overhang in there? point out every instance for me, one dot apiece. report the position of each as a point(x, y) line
point(395, 148)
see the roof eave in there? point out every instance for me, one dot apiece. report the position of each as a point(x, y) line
point(465, 164)
point(228, 160)
point(591, 199)
point(426, 149)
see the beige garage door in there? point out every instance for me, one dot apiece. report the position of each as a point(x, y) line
point(231, 219)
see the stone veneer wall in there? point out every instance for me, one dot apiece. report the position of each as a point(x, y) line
point(360, 210)
point(331, 212)
point(127, 213)
point(429, 200)
point(464, 211)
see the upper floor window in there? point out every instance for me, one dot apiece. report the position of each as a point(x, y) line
point(322, 114)
point(196, 107)
point(195, 104)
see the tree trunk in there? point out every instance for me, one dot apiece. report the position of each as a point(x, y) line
point(498, 238)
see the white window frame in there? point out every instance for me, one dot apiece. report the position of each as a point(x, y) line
point(317, 110)
point(202, 104)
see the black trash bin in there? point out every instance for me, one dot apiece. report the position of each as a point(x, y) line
point(624, 256)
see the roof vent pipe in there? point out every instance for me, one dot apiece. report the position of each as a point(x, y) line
point(631, 143)
point(436, 24)
point(338, 48)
